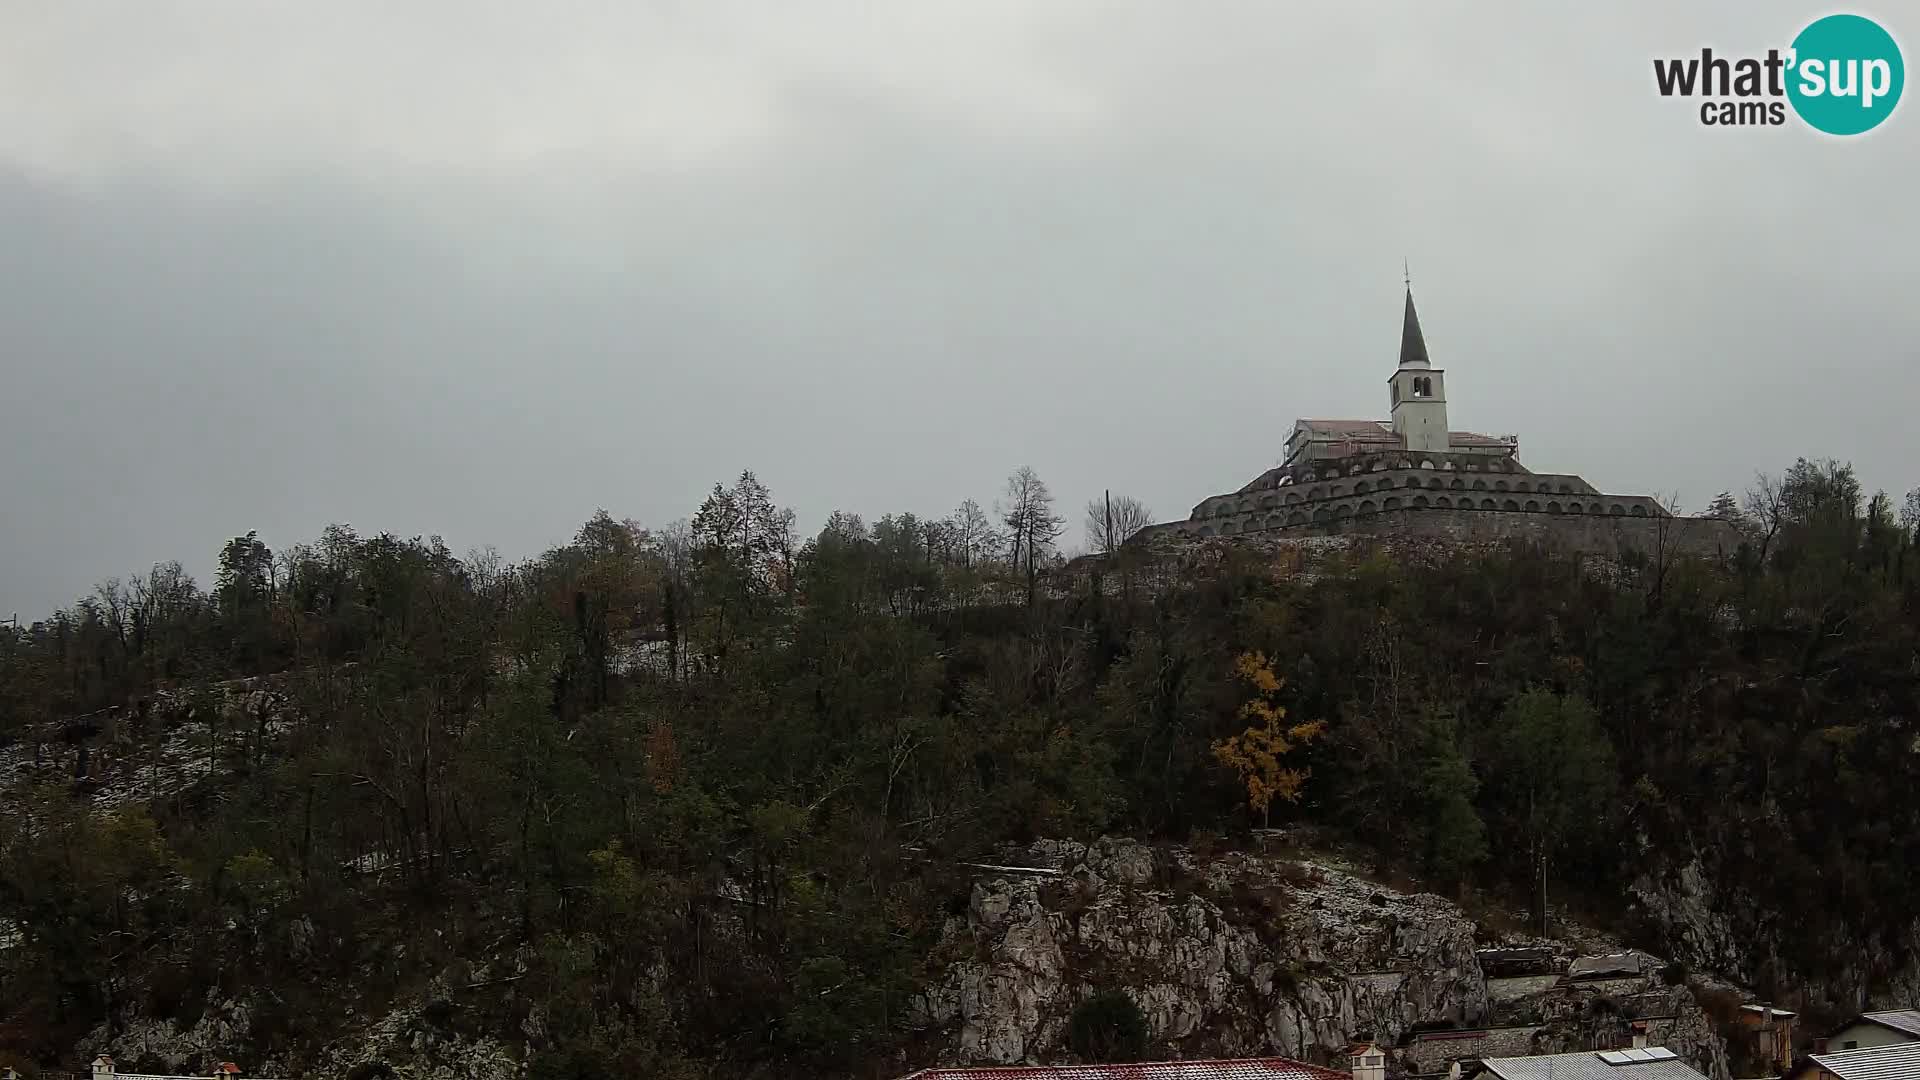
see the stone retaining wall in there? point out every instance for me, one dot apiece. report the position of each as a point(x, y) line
point(1609, 533)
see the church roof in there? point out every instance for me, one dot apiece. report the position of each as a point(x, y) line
point(1413, 345)
point(1381, 431)
point(1352, 429)
point(1473, 438)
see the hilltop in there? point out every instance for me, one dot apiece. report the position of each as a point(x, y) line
point(713, 800)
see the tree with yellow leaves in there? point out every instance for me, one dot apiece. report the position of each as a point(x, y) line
point(1257, 753)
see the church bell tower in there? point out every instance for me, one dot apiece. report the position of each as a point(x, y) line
point(1419, 391)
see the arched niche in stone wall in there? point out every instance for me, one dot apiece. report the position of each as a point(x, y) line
point(1534, 505)
point(1392, 503)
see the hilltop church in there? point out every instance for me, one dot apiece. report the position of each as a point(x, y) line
point(1412, 474)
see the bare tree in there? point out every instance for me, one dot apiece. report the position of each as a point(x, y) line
point(1112, 521)
point(1766, 506)
point(1665, 541)
point(1032, 526)
point(971, 532)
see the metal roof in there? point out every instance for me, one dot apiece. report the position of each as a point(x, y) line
point(1352, 429)
point(1608, 966)
point(1897, 1061)
point(1652, 1063)
point(1474, 438)
point(1237, 1069)
point(1905, 1021)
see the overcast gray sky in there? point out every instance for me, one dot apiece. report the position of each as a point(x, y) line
point(477, 268)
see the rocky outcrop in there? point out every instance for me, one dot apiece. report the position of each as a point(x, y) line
point(1237, 955)
point(409, 1040)
point(1710, 925)
point(1230, 955)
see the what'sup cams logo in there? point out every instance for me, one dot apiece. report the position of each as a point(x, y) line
point(1842, 75)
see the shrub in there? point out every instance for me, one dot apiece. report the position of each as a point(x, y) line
point(1108, 1027)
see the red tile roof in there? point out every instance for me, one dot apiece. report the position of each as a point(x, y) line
point(1239, 1069)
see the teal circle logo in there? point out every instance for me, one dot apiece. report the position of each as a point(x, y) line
point(1846, 74)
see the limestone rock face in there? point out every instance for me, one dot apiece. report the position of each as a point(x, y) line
point(1712, 926)
point(1230, 956)
point(418, 1051)
point(403, 1041)
point(208, 1041)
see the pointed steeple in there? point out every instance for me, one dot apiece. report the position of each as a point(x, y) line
point(1413, 347)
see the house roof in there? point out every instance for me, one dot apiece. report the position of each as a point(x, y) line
point(1529, 952)
point(1612, 965)
point(1896, 1061)
point(1235, 1069)
point(1652, 1063)
point(1904, 1021)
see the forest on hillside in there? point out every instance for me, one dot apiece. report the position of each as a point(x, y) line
point(704, 777)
